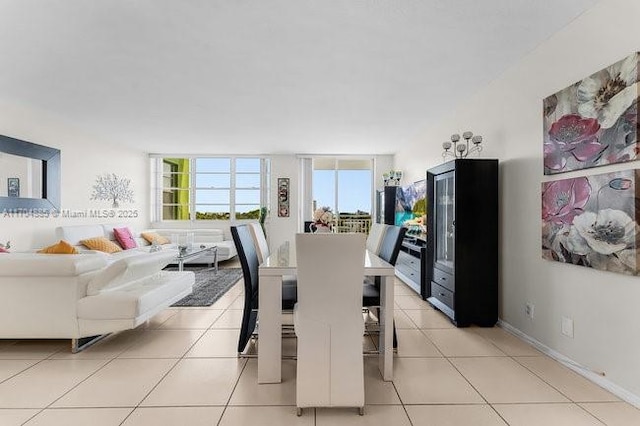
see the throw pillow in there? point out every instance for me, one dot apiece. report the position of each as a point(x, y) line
point(101, 244)
point(125, 238)
point(61, 247)
point(3, 250)
point(154, 236)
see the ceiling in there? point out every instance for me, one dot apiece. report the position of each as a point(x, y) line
point(262, 76)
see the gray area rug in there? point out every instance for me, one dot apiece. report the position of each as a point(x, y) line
point(209, 286)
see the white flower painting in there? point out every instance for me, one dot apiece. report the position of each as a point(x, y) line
point(591, 221)
point(593, 122)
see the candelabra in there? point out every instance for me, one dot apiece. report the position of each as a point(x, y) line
point(461, 149)
point(392, 178)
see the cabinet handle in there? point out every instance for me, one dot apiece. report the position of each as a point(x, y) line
point(442, 294)
point(443, 278)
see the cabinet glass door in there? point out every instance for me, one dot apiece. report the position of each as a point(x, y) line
point(444, 221)
point(380, 207)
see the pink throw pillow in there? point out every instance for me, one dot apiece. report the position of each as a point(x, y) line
point(125, 238)
point(3, 250)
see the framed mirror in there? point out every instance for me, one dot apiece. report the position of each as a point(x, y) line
point(29, 175)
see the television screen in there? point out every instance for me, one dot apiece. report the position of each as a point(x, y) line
point(411, 206)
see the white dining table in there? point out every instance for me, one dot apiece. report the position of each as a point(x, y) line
point(282, 262)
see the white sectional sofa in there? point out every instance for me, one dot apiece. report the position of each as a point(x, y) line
point(208, 237)
point(73, 234)
point(76, 296)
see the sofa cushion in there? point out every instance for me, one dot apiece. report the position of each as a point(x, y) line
point(61, 247)
point(124, 272)
point(39, 265)
point(101, 244)
point(125, 238)
point(136, 299)
point(108, 230)
point(73, 234)
point(154, 236)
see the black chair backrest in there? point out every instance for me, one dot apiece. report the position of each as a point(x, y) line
point(248, 256)
point(307, 226)
point(249, 261)
point(391, 242)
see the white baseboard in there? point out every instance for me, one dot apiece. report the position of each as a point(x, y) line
point(595, 377)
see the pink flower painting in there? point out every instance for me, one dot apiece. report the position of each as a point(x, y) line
point(591, 221)
point(563, 200)
point(593, 122)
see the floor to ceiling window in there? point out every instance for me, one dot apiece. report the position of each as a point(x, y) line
point(344, 185)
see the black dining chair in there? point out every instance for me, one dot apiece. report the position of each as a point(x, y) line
point(248, 257)
point(389, 249)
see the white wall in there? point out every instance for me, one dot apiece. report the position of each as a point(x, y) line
point(384, 163)
point(14, 166)
point(281, 229)
point(83, 157)
point(508, 113)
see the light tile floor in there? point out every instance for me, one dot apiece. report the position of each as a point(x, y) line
point(181, 369)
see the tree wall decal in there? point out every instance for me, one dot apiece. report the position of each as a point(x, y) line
point(113, 188)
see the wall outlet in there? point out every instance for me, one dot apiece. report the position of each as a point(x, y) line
point(567, 327)
point(528, 309)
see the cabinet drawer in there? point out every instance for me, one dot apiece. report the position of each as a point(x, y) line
point(442, 294)
point(408, 260)
point(409, 272)
point(444, 279)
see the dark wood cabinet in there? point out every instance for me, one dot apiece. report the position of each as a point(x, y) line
point(386, 205)
point(462, 240)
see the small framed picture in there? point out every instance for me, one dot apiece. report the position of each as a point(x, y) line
point(283, 197)
point(13, 187)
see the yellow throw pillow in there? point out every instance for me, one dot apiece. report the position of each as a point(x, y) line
point(62, 247)
point(151, 236)
point(101, 244)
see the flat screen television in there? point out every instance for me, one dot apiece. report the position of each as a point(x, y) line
point(411, 206)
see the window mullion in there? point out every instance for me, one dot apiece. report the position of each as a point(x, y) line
point(232, 190)
point(159, 189)
point(192, 190)
point(336, 164)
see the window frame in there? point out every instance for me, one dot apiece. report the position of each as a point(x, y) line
point(158, 191)
point(337, 159)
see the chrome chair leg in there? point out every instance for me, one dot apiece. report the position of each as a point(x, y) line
point(82, 343)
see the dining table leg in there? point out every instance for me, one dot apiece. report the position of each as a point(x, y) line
point(270, 329)
point(385, 358)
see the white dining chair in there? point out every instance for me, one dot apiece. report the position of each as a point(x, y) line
point(262, 250)
point(374, 239)
point(328, 320)
point(260, 241)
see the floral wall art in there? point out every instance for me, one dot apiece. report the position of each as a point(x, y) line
point(283, 197)
point(592, 221)
point(594, 121)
